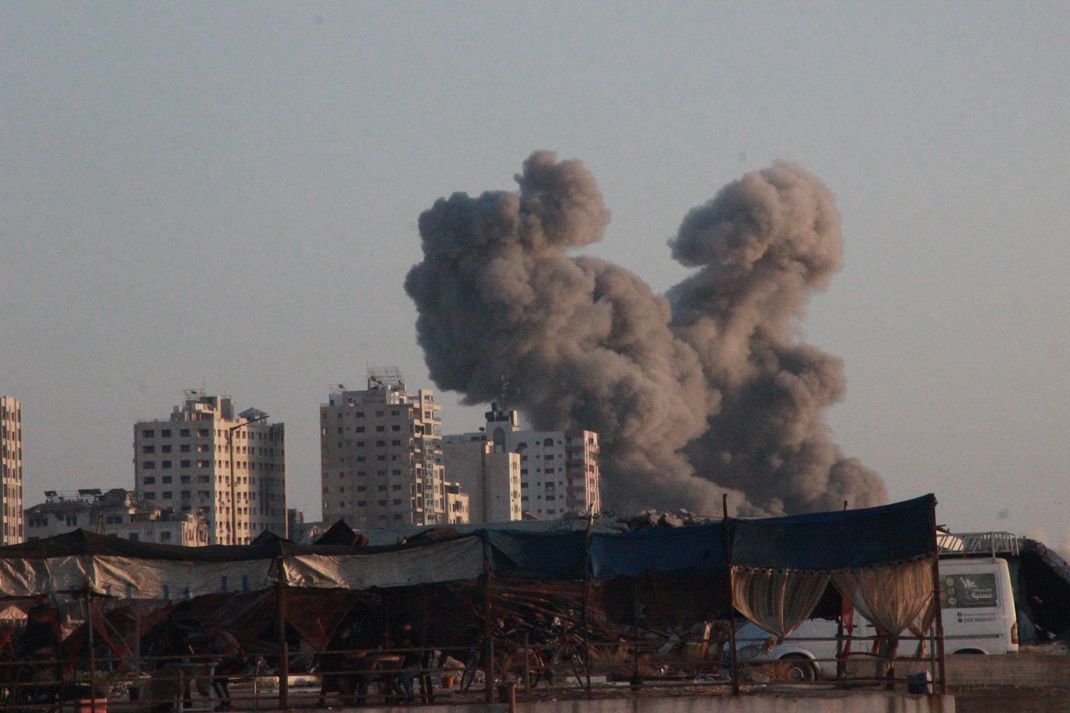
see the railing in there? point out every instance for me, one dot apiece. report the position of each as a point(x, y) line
point(530, 664)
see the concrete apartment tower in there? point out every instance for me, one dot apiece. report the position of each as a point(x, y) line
point(11, 469)
point(559, 471)
point(230, 468)
point(487, 472)
point(381, 455)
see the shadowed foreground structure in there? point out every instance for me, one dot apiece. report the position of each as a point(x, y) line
point(497, 605)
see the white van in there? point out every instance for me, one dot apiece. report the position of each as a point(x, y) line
point(977, 606)
point(808, 652)
point(977, 610)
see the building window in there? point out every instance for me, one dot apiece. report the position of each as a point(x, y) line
point(148, 433)
point(149, 479)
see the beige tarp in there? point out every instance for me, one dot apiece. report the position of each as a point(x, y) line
point(441, 562)
point(137, 578)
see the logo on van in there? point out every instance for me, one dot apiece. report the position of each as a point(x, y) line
point(968, 590)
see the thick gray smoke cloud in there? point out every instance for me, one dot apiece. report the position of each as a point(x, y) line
point(697, 393)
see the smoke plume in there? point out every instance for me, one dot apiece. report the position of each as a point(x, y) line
point(699, 392)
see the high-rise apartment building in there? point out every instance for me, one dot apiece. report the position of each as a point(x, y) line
point(11, 470)
point(559, 470)
point(381, 455)
point(230, 468)
point(488, 473)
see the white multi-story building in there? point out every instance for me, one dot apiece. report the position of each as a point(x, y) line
point(381, 455)
point(488, 473)
point(559, 472)
point(457, 505)
point(115, 512)
point(11, 531)
point(229, 468)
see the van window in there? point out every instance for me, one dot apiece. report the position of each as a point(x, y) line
point(962, 591)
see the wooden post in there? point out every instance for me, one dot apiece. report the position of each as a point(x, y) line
point(284, 652)
point(527, 662)
point(92, 652)
point(727, 538)
point(488, 635)
point(938, 620)
point(841, 662)
point(586, 597)
point(637, 681)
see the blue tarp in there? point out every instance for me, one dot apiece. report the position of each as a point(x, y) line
point(820, 541)
point(536, 555)
point(837, 540)
point(695, 549)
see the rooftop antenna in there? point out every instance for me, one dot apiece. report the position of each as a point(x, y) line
point(503, 389)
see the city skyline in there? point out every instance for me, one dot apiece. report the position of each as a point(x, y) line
point(228, 196)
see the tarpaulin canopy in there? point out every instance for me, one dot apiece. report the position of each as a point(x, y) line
point(696, 549)
point(82, 561)
point(542, 555)
point(837, 540)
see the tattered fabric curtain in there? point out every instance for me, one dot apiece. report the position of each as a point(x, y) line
point(892, 596)
point(777, 600)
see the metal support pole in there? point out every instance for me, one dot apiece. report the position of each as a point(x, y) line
point(938, 620)
point(92, 651)
point(233, 525)
point(841, 660)
point(637, 681)
point(233, 487)
point(586, 597)
point(284, 653)
point(488, 636)
point(727, 539)
point(527, 662)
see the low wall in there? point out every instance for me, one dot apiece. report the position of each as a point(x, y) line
point(764, 702)
point(1020, 670)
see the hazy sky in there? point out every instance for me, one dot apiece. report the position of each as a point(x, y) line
point(227, 194)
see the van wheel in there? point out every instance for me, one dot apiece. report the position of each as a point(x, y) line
point(800, 669)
